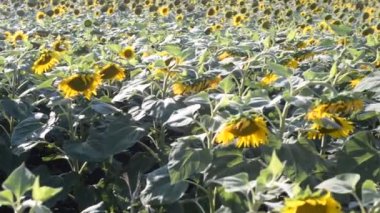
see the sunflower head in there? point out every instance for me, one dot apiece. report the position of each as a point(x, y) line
point(164, 10)
point(112, 72)
point(47, 60)
point(211, 11)
point(269, 79)
point(40, 16)
point(248, 131)
point(331, 125)
point(127, 53)
point(61, 45)
point(82, 83)
point(238, 20)
point(312, 204)
point(19, 36)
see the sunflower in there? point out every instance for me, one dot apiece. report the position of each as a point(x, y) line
point(164, 10)
point(127, 53)
point(268, 79)
point(179, 17)
point(331, 125)
point(61, 45)
point(40, 16)
point(325, 203)
point(293, 63)
point(238, 20)
point(82, 83)
point(110, 11)
point(211, 12)
point(249, 132)
point(8, 36)
point(195, 86)
point(19, 36)
point(47, 60)
point(112, 72)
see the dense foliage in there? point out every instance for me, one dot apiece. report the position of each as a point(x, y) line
point(189, 106)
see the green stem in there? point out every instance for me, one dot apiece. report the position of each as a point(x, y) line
point(323, 141)
point(362, 209)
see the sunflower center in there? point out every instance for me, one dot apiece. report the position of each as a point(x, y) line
point(18, 37)
point(45, 59)
point(244, 127)
point(109, 72)
point(128, 53)
point(79, 83)
point(308, 208)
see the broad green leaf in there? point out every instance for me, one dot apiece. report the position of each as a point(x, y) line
point(275, 166)
point(6, 198)
point(185, 161)
point(97, 208)
point(370, 193)
point(291, 35)
point(227, 84)
point(43, 193)
point(359, 155)
point(340, 184)
point(26, 130)
point(19, 181)
point(236, 183)
point(183, 117)
point(173, 49)
point(159, 190)
point(114, 48)
point(104, 108)
point(280, 69)
point(39, 208)
point(341, 30)
point(120, 134)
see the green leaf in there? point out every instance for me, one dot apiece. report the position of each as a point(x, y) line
point(39, 208)
point(19, 181)
point(291, 35)
point(114, 48)
point(183, 117)
point(159, 190)
point(275, 166)
point(280, 69)
point(370, 83)
point(26, 130)
point(6, 198)
point(236, 183)
point(104, 108)
point(370, 194)
point(359, 155)
point(173, 49)
point(120, 134)
point(227, 84)
point(43, 193)
point(340, 184)
point(341, 30)
point(185, 161)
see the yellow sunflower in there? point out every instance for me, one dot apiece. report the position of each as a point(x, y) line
point(40, 16)
point(238, 20)
point(325, 203)
point(47, 60)
point(19, 36)
point(268, 79)
point(112, 72)
point(332, 125)
point(127, 53)
point(164, 10)
point(355, 82)
point(83, 83)
point(185, 88)
point(8, 36)
point(293, 63)
point(249, 132)
point(61, 45)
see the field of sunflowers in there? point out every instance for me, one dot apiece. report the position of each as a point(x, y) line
point(222, 106)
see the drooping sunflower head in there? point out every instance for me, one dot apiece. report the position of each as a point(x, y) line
point(112, 72)
point(127, 53)
point(164, 10)
point(196, 85)
point(332, 125)
point(110, 11)
point(46, 61)
point(312, 204)
point(82, 83)
point(249, 131)
point(61, 45)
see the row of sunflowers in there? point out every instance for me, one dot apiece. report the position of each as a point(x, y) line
point(189, 106)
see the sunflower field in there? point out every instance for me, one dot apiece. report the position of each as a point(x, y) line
point(182, 106)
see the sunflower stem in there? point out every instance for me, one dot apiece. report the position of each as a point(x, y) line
point(362, 209)
point(321, 152)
